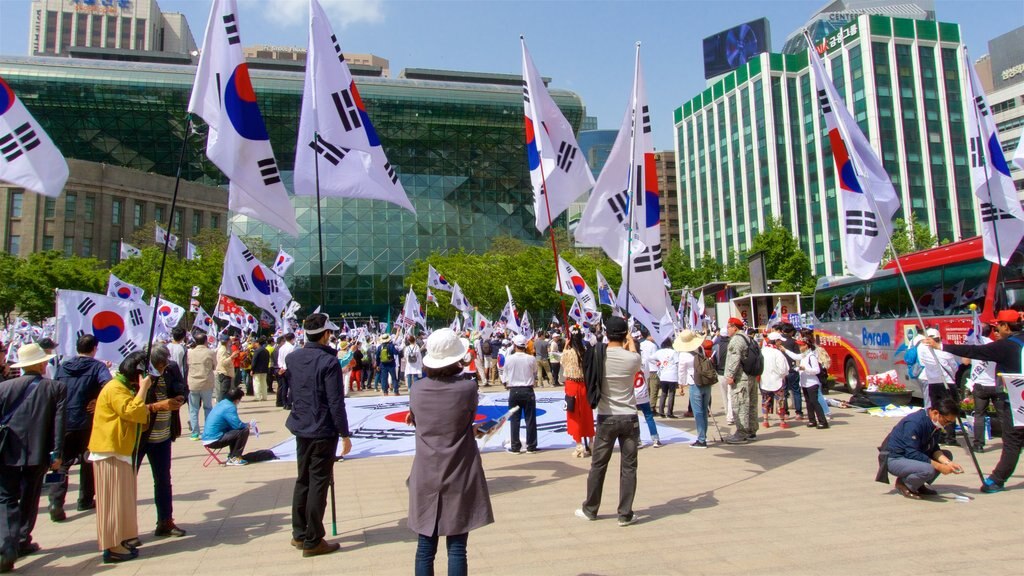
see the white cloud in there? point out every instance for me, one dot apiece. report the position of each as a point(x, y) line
point(341, 12)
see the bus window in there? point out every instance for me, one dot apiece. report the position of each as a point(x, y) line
point(883, 298)
point(965, 284)
point(926, 286)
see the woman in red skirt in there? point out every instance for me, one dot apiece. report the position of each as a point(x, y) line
point(579, 417)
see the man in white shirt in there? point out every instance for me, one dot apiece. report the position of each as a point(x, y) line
point(982, 384)
point(649, 364)
point(284, 398)
point(938, 370)
point(520, 376)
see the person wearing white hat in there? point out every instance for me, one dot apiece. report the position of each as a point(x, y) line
point(773, 379)
point(521, 374)
point(32, 412)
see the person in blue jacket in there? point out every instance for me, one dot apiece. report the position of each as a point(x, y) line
point(913, 446)
point(224, 428)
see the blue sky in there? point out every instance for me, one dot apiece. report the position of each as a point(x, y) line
point(584, 46)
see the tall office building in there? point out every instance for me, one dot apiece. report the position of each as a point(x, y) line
point(753, 146)
point(297, 56)
point(665, 163)
point(1005, 76)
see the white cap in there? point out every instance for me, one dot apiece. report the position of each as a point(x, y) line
point(519, 341)
point(444, 348)
point(932, 333)
point(776, 336)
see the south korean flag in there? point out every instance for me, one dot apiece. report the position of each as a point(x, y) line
point(117, 288)
point(120, 326)
point(247, 278)
point(28, 158)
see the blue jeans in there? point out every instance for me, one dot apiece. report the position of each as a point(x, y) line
point(386, 375)
point(821, 400)
point(409, 379)
point(700, 402)
point(426, 550)
point(649, 416)
point(793, 387)
point(194, 399)
point(914, 473)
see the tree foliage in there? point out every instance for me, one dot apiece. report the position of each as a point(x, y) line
point(39, 276)
point(910, 236)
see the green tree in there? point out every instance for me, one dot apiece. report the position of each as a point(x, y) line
point(784, 260)
point(42, 273)
point(909, 237)
point(9, 291)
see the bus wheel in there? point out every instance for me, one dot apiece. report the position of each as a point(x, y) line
point(852, 376)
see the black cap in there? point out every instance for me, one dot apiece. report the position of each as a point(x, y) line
point(615, 326)
point(47, 344)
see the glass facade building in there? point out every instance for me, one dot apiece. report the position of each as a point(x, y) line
point(458, 148)
point(754, 146)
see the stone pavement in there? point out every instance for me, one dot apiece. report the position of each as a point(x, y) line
point(796, 501)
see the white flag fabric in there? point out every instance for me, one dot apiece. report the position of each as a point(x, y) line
point(117, 288)
point(129, 251)
point(459, 300)
point(238, 142)
point(291, 310)
point(866, 193)
point(1002, 218)
point(776, 315)
point(526, 325)
point(250, 324)
point(576, 312)
point(437, 281)
point(558, 170)
point(204, 321)
point(574, 285)
point(191, 252)
point(162, 236)
point(195, 291)
point(247, 278)
point(334, 125)
point(1018, 155)
point(28, 158)
point(483, 325)
point(456, 325)
point(1015, 389)
point(661, 328)
point(412, 311)
point(605, 294)
point(230, 311)
point(168, 313)
point(282, 263)
point(432, 298)
point(510, 315)
point(120, 326)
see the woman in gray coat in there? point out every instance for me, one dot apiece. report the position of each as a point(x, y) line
point(447, 489)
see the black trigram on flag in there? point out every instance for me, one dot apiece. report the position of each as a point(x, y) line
point(390, 170)
point(861, 223)
point(127, 348)
point(79, 334)
point(648, 260)
point(85, 306)
point(330, 152)
point(990, 213)
point(646, 118)
point(619, 204)
point(526, 92)
point(14, 144)
point(585, 298)
point(135, 317)
point(566, 154)
point(231, 29)
point(826, 106)
point(979, 102)
point(345, 104)
point(269, 171)
point(243, 282)
point(977, 158)
point(247, 255)
point(337, 48)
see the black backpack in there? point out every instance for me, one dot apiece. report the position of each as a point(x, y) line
point(485, 347)
point(704, 373)
point(751, 361)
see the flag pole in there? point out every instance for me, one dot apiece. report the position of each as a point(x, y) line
point(629, 177)
point(319, 226)
point(551, 229)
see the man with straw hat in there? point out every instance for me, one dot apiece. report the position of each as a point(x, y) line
point(31, 440)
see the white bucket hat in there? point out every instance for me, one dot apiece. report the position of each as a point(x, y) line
point(444, 348)
point(687, 341)
point(30, 355)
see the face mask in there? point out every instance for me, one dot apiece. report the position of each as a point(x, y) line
point(153, 371)
point(938, 425)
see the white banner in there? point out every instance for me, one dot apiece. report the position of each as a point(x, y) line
point(378, 428)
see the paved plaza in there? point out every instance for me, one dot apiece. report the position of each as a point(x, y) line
point(796, 501)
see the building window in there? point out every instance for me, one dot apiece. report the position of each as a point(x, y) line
point(70, 206)
point(115, 250)
point(176, 223)
point(16, 199)
point(111, 36)
point(158, 215)
point(197, 222)
point(214, 221)
point(115, 212)
point(126, 33)
point(90, 208)
point(81, 23)
point(97, 30)
point(50, 208)
point(69, 245)
point(14, 245)
point(47, 243)
point(86, 247)
point(140, 210)
point(65, 32)
point(140, 34)
point(52, 21)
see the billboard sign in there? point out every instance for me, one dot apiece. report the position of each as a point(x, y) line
point(732, 48)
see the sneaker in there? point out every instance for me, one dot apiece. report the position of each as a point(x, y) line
point(736, 439)
point(511, 451)
point(991, 486)
point(628, 521)
point(168, 528)
point(236, 462)
point(581, 514)
point(533, 451)
point(766, 424)
point(699, 444)
point(783, 425)
point(194, 436)
point(657, 444)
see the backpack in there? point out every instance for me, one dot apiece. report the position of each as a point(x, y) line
point(825, 361)
point(414, 354)
point(752, 361)
point(384, 355)
point(704, 373)
point(914, 368)
point(485, 347)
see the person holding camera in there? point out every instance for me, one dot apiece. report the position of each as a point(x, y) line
point(31, 440)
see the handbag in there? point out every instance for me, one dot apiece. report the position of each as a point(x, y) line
point(570, 403)
point(4, 428)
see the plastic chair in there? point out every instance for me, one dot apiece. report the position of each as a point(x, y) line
point(213, 455)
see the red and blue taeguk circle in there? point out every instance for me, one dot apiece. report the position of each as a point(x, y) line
point(240, 104)
point(6, 97)
point(124, 292)
point(578, 284)
point(107, 326)
point(371, 132)
point(259, 280)
point(482, 413)
point(165, 310)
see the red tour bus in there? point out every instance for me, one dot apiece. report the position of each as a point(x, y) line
point(865, 325)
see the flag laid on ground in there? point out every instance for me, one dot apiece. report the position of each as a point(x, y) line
point(247, 278)
point(117, 288)
point(283, 261)
point(129, 251)
point(238, 142)
point(28, 158)
point(120, 326)
point(574, 285)
point(558, 170)
point(334, 125)
point(431, 297)
point(412, 311)
point(168, 313)
point(204, 321)
point(866, 193)
point(435, 280)
point(191, 251)
point(228, 310)
point(163, 236)
point(459, 300)
point(605, 294)
point(1002, 217)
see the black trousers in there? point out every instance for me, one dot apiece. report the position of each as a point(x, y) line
point(523, 397)
point(815, 413)
point(283, 391)
point(236, 439)
point(309, 501)
point(20, 489)
point(76, 443)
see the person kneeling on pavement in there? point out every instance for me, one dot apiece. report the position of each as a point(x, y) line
point(911, 451)
point(224, 428)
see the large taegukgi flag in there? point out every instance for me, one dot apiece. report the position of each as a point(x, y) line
point(117, 288)
point(238, 142)
point(558, 169)
point(204, 321)
point(1002, 218)
point(120, 326)
point(335, 126)
point(574, 285)
point(437, 281)
point(247, 278)
point(28, 158)
point(868, 198)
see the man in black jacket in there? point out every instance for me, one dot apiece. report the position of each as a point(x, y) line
point(260, 368)
point(317, 420)
point(83, 377)
point(32, 407)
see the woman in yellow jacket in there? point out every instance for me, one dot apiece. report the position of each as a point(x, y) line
point(120, 417)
